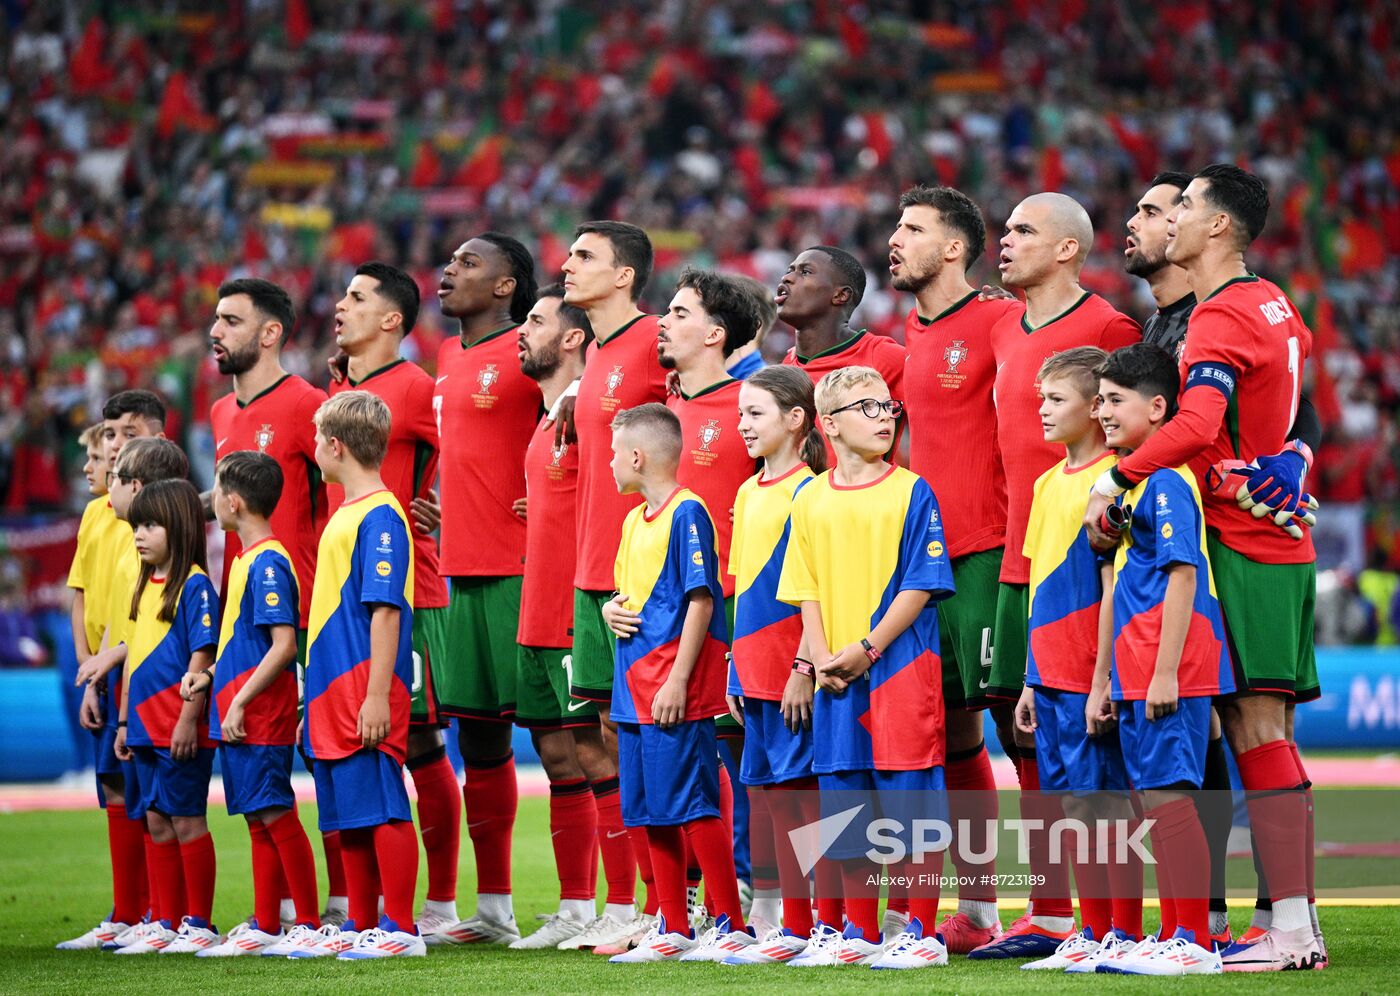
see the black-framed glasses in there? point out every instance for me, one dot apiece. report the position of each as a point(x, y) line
point(871, 408)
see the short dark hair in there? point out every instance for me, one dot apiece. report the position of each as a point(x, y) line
point(1240, 194)
point(850, 269)
point(1172, 177)
point(1147, 369)
point(630, 246)
point(255, 477)
point(271, 301)
point(147, 404)
point(571, 315)
point(150, 459)
point(958, 212)
point(396, 287)
point(522, 268)
point(726, 302)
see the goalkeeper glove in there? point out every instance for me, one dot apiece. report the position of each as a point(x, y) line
point(1229, 480)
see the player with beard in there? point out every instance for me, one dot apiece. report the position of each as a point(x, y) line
point(487, 409)
point(566, 734)
point(1244, 357)
point(1047, 241)
point(270, 411)
point(816, 297)
point(949, 377)
point(1145, 256)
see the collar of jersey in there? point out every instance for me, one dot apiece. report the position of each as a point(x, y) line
point(952, 308)
point(669, 498)
point(1181, 304)
point(264, 392)
point(1248, 278)
point(781, 477)
point(1028, 330)
point(356, 501)
point(831, 350)
point(717, 385)
point(621, 331)
point(265, 539)
point(375, 373)
point(480, 342)
point(831, 479)
point(1067, 469)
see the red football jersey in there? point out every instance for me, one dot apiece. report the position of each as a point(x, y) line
point(486, 410)
point(547, 591)
point(410, 465)
point(948, 381)
point(1025, 455)
point(864, 349)
point(621, 373)
point(278, 422)
point(714, 461)
point(1247, 341)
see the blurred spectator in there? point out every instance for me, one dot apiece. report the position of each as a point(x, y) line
point(1344, 614)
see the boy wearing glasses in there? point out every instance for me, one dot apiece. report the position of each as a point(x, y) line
point(866, 562)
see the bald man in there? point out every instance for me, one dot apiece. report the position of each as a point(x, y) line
point(1047, 240)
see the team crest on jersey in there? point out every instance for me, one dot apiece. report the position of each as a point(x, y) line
point(557, 454)
point(955, 354)
point(709, 432)
point(487, 376)
point(614, 380)
point(263, 437)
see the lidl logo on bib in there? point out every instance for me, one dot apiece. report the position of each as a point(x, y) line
point(271, 599)
point(935, 549)
point(383, 568)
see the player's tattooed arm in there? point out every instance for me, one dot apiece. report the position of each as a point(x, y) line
point(991, 292)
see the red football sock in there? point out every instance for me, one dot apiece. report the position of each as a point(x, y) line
point(170, 880)
point(862, 902)
point(1182, 856)
point(921, 899)
point(298, 864)
point(439, 821)
point(972, 797)
point(1125, 883)
point(831, 889)
point(267, 894)
point(615, 844)
point(1277, 813)
point(492, 797)
point(1310, 839)
point(763, 855)
point(152, 886)
point(1052, 897)
point(713, 844)
point(1091, 883)
point(573, 826)
point(897, 900)
point(335, 864)
point(200, 864)
point(641, 849)
point(126, 842)
point(396, 852)
point(787, 810)
point(667, 846)
point(361, 875)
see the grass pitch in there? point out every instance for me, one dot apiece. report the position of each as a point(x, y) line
point(54, 884)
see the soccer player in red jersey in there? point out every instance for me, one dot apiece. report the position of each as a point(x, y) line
point(270, 410)
point(816, 296)
point(1244, 356)
point(608, 267)
point(1047, 240)
point(488, 409)
point(948, 380)
point(379, 309)
point(584, 800)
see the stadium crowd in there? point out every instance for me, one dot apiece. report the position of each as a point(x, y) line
point(148, 156)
